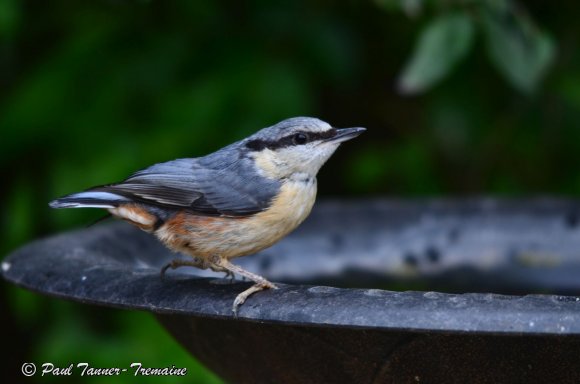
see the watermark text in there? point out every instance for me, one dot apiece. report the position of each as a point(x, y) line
point(85, 369)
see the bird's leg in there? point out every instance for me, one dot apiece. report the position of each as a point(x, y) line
point(176, 263)
point(241, 298)
point(229, 274)
point(260, 282)
point(197, 262)
point(235, 269)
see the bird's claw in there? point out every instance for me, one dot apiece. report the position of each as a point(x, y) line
point(176, 263)
point(241, 298)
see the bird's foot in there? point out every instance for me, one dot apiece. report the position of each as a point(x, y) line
point(260, 282)
point(230, 276)
point(176, 263)
point(241, 298)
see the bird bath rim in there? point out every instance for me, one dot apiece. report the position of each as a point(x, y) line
point(99, 266)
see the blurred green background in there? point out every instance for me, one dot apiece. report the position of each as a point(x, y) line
point(460, 97)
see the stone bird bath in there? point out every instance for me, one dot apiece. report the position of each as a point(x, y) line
point(379, 291)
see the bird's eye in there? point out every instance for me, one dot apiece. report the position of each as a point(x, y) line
point(300, 138)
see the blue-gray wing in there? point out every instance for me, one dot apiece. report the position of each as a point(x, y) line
point(211, 185)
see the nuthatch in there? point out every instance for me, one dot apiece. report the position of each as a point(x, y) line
point(234, 202)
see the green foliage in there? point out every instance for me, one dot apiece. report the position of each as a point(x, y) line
point(443, 42)
point(8, 17)
point(519, 50)
point(137, 338)
point(410, 7)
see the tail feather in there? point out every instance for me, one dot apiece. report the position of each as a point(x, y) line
point(89, 199)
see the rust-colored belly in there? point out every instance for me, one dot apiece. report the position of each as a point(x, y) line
point(230, 237)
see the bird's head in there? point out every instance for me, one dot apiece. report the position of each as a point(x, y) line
point(296, 147)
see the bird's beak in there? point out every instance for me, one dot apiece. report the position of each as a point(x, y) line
point(345, 134)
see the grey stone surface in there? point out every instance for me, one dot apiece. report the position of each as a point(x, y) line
point(469, 245)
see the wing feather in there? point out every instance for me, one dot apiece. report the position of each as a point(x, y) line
point(215, 184)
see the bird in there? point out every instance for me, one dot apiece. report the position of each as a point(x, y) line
point(234, 202)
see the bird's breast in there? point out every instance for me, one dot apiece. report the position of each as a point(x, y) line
point(238, 236)
point(290, 207)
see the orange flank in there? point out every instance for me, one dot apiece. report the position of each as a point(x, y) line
point(135, 214)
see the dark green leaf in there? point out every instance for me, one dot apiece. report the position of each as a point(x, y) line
point(521, 52)
point(441, 45)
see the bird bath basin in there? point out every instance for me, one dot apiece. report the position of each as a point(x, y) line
point(493, 293)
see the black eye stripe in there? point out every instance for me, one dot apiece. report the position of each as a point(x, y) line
point(287, 141)
point(322, 135)
point(300, 138)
